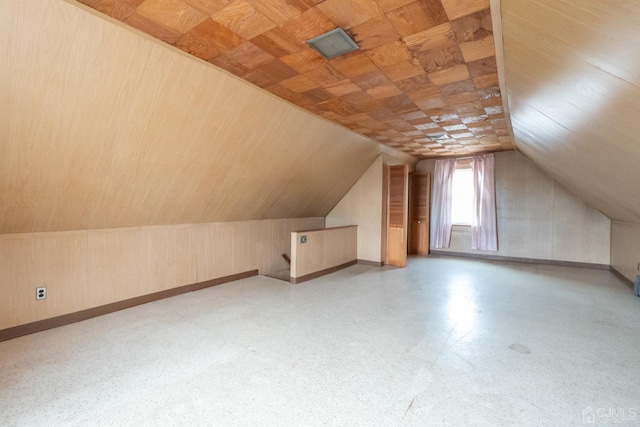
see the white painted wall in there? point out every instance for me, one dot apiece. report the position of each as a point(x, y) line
point(625, 248)
point(537, 218)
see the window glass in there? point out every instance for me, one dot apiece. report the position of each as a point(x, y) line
point(462, 196)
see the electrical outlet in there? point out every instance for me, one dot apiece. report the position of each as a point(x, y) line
point(41, 293)
point(303, 239)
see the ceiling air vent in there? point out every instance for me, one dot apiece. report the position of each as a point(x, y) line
point(335, 42)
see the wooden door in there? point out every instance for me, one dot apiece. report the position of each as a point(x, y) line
point(397, 210)
point(419, 195)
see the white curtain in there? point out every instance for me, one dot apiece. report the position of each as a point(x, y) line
point(441, 203)
point(484, 232)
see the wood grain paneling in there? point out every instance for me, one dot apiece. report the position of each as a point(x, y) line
point(397, 215)
point(323, 250)
point(400, 38)
point(120, 130)
point(86, 269)
point(419, 198)
point(537, 217)
point(574, 90)
point(363, 206)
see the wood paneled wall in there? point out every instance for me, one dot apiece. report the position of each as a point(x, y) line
point(363, 205)
point(324, 249)
point(574, 89)
point(625, 248)
point(85, 269)
point(104, 127)
point(537, 217)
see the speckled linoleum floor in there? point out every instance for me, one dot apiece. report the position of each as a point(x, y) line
point(445, 341)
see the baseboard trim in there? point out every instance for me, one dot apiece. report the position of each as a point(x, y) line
point(307, 277)
point(371, 263)
point(522, 260)
point(66, 319)
point(622, 277)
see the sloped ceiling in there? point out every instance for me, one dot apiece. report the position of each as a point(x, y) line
point(573, 79)
point(424, 80)
point(102, 127)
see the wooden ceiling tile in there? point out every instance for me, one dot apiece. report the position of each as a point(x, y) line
point(277, 42)
point(339, 106)
point(358, 98)
point(489, 92)
point(208, 39)
point(279, 90)
point(241, 18)
point(449, 75)
point(232, 66)
point(278, 70)
point(463, 86)
point(487, 80)
point(261, 78)
point(400, 126)
point(491, 102)
point(299, 84)
point(342, 88)
point(354, 65)
point(325, 75)
point(433, 38)
point(461, 97)
point(416, 84)
point(390, 54)
point(403, 70)
point(370, 80)
point(474, 27)
point(318, 95)
point(279, 11)
point(119, 9)
point(400, 104)
point(347, 14)
point(208, 7)
point(417, 16)
point(456, 8)
point(468, 108)
point(249, 55)
point(375, 33)
point(430, 103)
point(479, 49)
point(173, 14)
point(380, 112)
point(415, 73)
point(303, 61)
point(469, 121)
point(384, 91)
point(483, 67)
point(153, 28)
point(439, 59)
point(308, 25)
point(389, 5)
point(413, 115)
point(495, 112)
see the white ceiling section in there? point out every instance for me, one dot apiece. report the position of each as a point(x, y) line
point(573, 80)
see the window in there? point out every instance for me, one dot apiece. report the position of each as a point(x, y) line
point(462, 197)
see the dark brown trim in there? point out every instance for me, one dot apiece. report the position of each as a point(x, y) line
point(523, 260)
point(65, 319)
point(371, 263)
point(307, 277)
point(622, 277)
